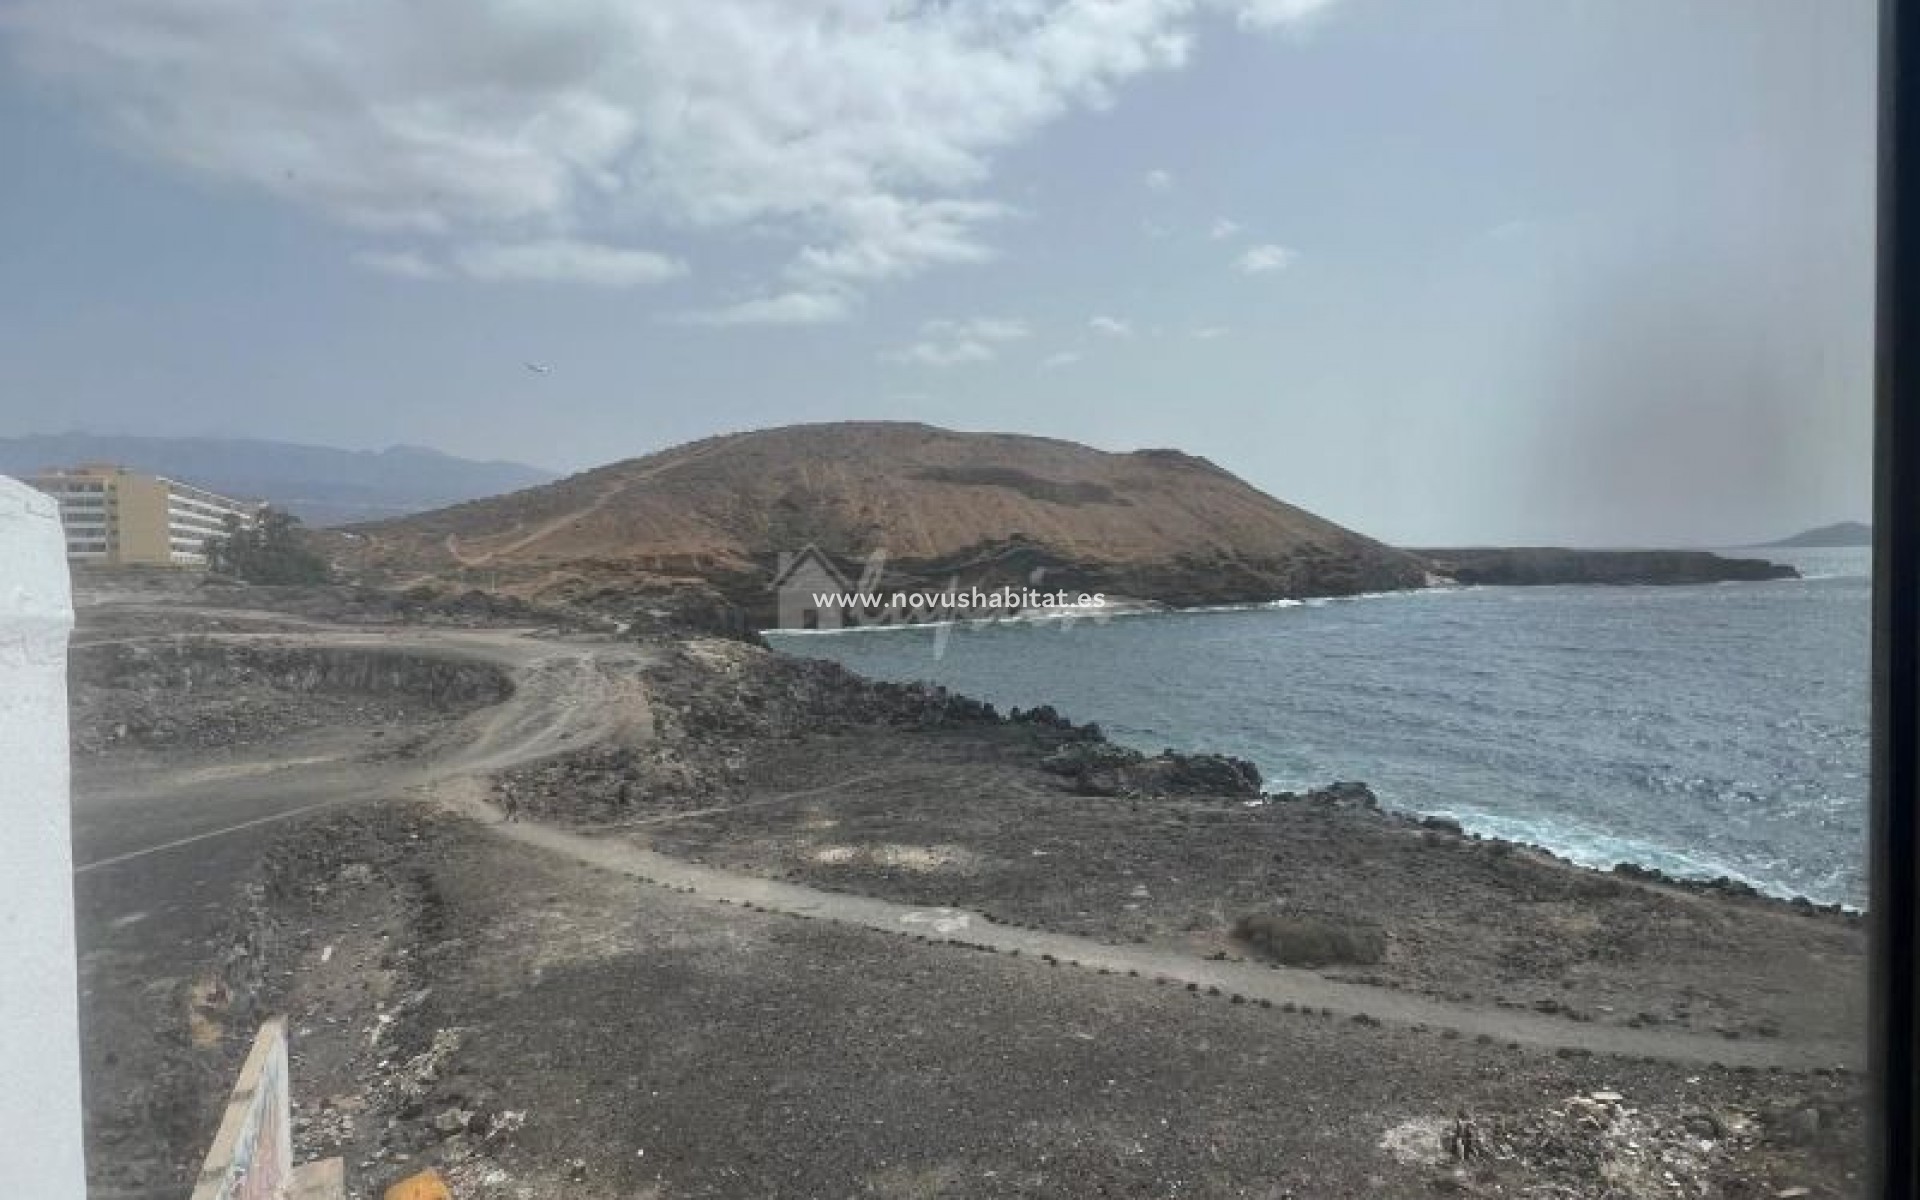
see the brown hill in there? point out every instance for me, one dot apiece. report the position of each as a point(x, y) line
point(983, 508)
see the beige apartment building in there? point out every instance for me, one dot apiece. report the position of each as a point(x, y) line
point(117, 517)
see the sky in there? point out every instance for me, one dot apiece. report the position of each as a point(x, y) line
point(1587, 272)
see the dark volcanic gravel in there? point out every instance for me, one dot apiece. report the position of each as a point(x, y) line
point(956, 817)
point(655, 1044)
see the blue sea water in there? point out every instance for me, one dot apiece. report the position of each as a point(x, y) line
point(1714, 730)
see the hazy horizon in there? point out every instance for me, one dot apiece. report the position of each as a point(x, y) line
point(1574, 273)
point(560, 473)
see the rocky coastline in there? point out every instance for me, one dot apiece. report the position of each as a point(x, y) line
point(1549, 566)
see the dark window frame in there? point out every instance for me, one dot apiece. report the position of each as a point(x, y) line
point(1895, 848)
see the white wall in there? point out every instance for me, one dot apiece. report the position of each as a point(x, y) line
point(40, 1140)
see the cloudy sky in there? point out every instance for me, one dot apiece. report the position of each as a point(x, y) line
point(1583, 271)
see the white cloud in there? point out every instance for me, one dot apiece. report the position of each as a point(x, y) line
point(786, 308)
point(986, 329)
point(564, 260)
point(1265, 257)
point(859, 133)
point(1273, 14)
point(1208, 333)
point(1159, 181)
point(1064, 358)
point(1110, 327)
point(1223, 229)
point(948, 342)
point(884, 237)
point(549, 260)
point(404, 264)
point(944, 354)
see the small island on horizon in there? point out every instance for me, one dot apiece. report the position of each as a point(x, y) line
point(1841, 533)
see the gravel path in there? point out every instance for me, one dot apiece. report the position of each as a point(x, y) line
point(1271, 985)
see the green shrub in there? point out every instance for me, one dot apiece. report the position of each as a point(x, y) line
point(272, 550)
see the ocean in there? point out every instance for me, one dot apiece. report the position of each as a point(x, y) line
point(1706, 731)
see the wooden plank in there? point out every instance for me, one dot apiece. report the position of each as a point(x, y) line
point(323, 1180)
point(252, 1154)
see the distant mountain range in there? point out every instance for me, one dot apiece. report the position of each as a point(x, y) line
point(1845, 533)
point(319, 484)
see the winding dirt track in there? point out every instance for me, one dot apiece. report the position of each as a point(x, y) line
point(1256, 983)
point(570, 694)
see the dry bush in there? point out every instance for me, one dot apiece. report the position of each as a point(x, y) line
point(1307, 941)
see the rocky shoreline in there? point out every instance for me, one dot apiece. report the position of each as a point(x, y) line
point(1547, 566)
point(735, 722)
point(1095, 766)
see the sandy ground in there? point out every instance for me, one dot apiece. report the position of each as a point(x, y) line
point(686, 968)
